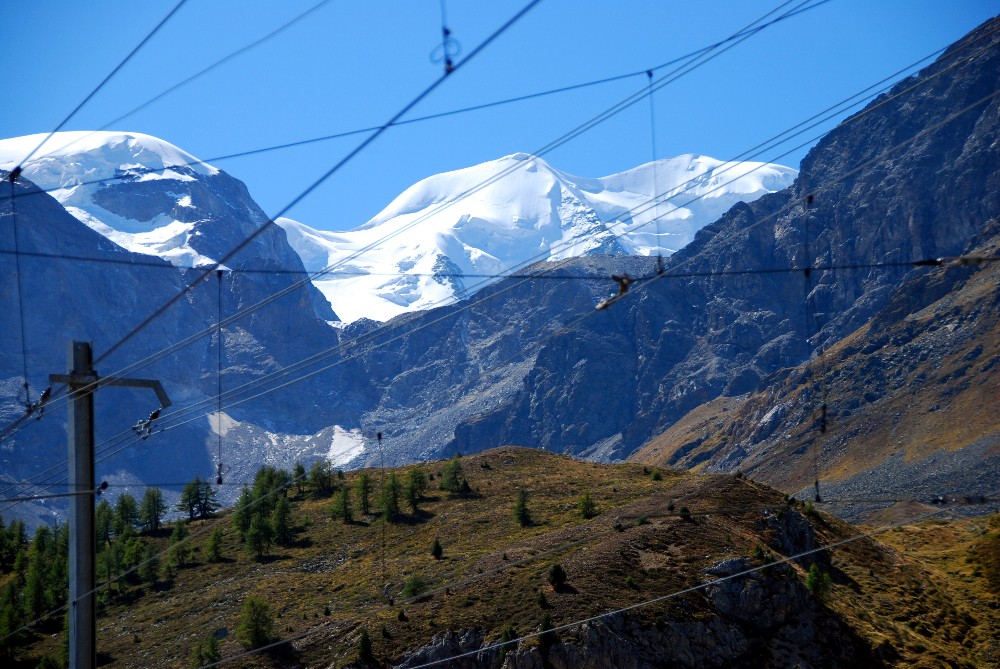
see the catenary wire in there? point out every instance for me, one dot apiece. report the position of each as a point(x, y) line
point(197, 75)
point(206, 272)
point(857, 266)
point(908, 89)
point(666, 79)
point(488, 105)
point(755, 151)
point(99, 86)
point(902, 263)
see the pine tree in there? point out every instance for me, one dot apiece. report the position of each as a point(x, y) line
point(557, 576)
point(205, 651)
point(452, 476)
point(818, 582)
point(587, 507)
point(151, 509)
point(180, 546)
point(364, 487)
point(521, 514)
point(299, 476)
point(213, 550)
point(436, 549)
point(282, 522)
point(389, 500)
point(149, 567)
point(243, 512)
point(321, 478)
point(342, 507)
point(256, 626)
point(259, 536)
point(103, 522)
point(365, 647)
point(126, 513)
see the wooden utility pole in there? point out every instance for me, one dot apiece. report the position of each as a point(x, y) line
point(83, 381)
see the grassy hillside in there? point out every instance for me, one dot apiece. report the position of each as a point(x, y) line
point(655, 533)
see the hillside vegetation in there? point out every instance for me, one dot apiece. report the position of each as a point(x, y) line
point(645, 534)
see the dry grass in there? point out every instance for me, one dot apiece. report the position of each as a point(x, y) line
point(492, 569)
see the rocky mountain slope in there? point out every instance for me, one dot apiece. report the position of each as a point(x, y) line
point(912, 177)
point(528, 360)
point(672, 569)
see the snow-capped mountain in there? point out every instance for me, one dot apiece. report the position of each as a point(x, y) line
point(150, 197)
point(450, 234)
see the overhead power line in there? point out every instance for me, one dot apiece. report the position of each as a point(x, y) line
point(921, 262)
point(197, 75)
point(218, 263)
point(420, 119)
point(149, 36)
point(289, 289)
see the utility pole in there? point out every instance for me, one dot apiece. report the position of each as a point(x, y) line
point(83, 381)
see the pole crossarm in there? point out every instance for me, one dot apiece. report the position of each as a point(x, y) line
point(94, 382)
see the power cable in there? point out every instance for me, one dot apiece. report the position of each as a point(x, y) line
point(315, 184)
point(867, 111)
point(665, 79)
point(420, 119)
point(197, 75)
point(149, 36)
point(822, 116)
point(918, 263)
point(788, 560)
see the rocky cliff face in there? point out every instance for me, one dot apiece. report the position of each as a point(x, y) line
point(78, 284)
point(914, 176)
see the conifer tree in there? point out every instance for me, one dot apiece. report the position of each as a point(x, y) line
point(342, 507)
point(452, 476)
point(256, 626)
point(259, 536)
point(282, 522)
point(151, 509)
point(521, 514)
point(213, 550)
point(364, 487)
point(389, 501)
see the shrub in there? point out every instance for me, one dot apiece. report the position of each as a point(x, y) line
point(818, 582)
point(685, 514)
point(436, 549)
point(587, 507)
point(657, 476)
point(542, 600)
point(630, 583)
point(557, 576)
point(414, 586)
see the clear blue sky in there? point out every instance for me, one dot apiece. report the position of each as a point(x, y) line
point(354, 64)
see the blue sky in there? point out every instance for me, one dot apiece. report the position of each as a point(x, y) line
point(352, 65)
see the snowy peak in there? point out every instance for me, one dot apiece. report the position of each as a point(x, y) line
point(449, 234)
point(143, 193)
point(68, 158)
